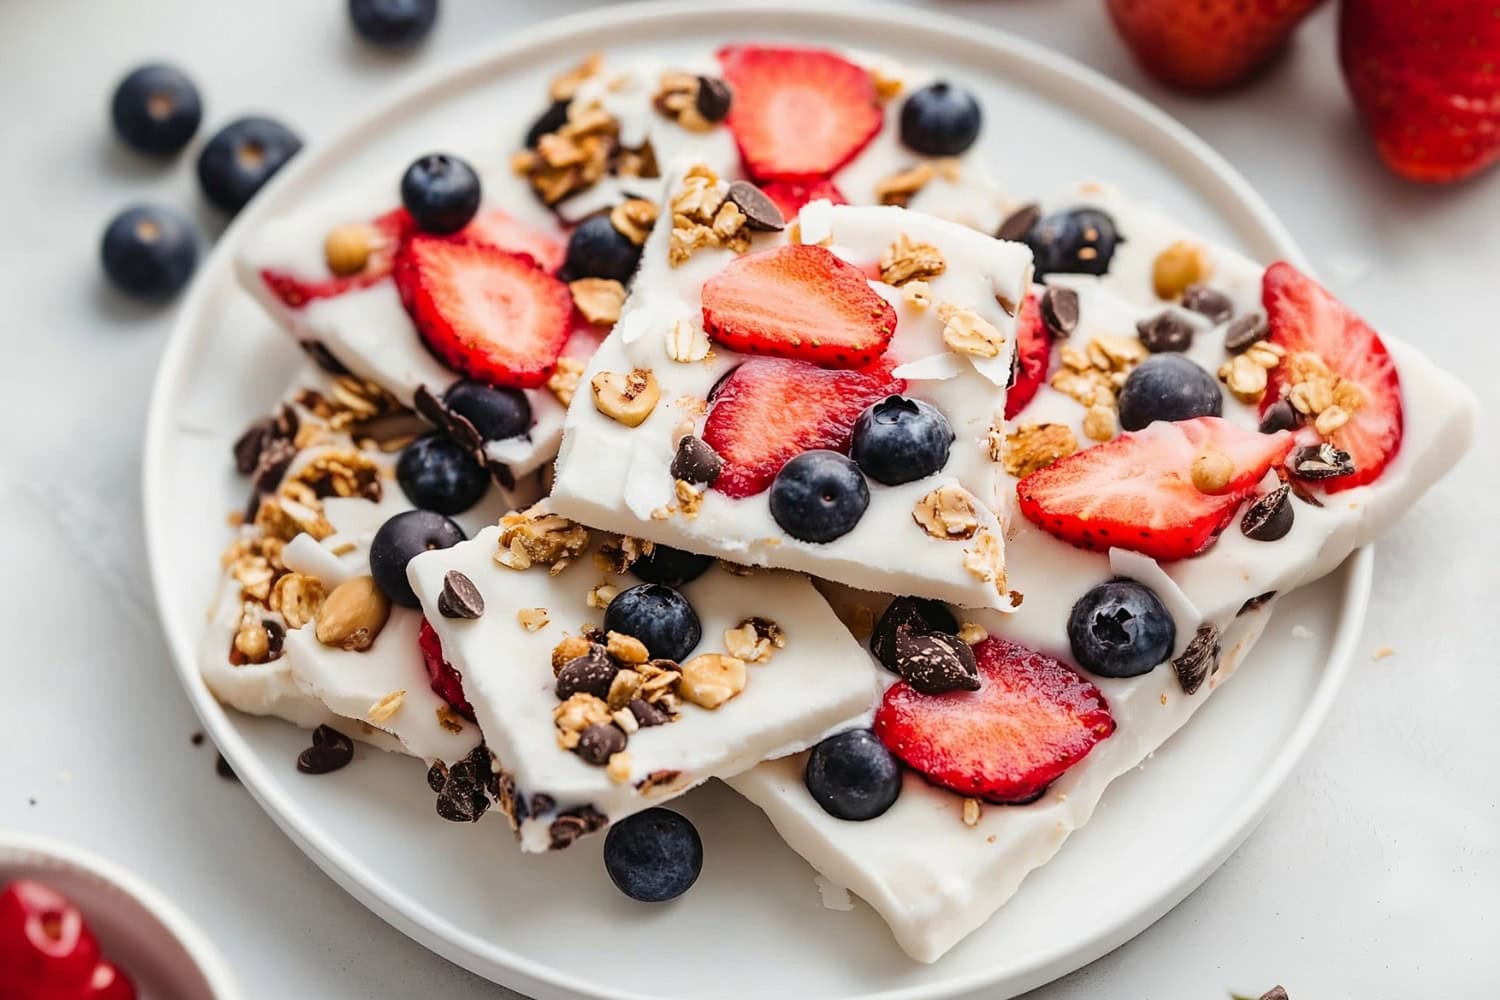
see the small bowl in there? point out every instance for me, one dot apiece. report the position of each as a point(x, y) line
point(165, 954)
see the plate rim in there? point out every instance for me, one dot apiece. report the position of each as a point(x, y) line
point(1140, 121)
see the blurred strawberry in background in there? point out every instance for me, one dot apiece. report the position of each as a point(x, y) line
point(1205, 45)
point(1426, 76)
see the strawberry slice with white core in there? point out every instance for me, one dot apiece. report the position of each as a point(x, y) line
point(1030, 721)
point(798, 114)
point(294, 292)
point(1337, 366)
point(498, 228)
point(798, 301)
point(769, 411)
point(1138, 492)
point(487, 314)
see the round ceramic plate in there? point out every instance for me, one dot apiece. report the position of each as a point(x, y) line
point(754, 925)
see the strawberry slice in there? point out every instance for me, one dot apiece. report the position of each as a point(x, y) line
point(498, 228)
point(767, 412)
point(798, 114)
point(1033, 354)
point(446, 682)
point(1031, 720)
point(1319, 332)
point(790, 196)
point(295, 292)
point(798, 301)
point(488, 314)
point(1136, 492)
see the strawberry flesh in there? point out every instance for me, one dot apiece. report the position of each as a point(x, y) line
point(1208, 44)
point(790, 196)
point(446, 682)
point(768, 411)
point(488, 314)
point(1031, 720)
point(498, 228)
point(798, 114)
point(1304, 319)
point(1033, 353)
point(1136, 492)
point(798, 301)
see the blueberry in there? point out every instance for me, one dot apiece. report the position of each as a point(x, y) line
point(554, 118)
point(149, 251)
point(1120, 629)
point(853, 776)
point(1168, 387)
point(1079, 241)
point(917, 614)
point(241, 157)
point(898, 440)
point(670, 566)
point(437, 474)
point(156, 109)
point(818, 496)
point(496, 413)
point(598, 250)
point(658, 616)
point(393, 23)
point(653, 856)
point(940, 120)
point(441, 191)
point(408, 534)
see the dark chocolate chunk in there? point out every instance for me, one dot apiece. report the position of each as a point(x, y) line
point(275, 637)
point(542, 803)
point(760, 211)
point(330, 751)
point(696, 462)
point(1166, 331)
point(275, 458)
point(1269, 517)
point(1018, 223)
point(590, 673)
point(465, 795)
point(1199, 659)
point(459, 597)
point(247, 446)
point(224, 770)
point(437, 776)
point(714, 99)
point(917, 614)
point(1060, 311)
point(1275, 993)
point(935, 662)
point(1255, 603)
point(429, 407)
point(323, 357)
point(1280, 416)
point(1320, 461)
point(1208, 302)
point(1245, 332)
point(599, 742)
point(648, 714)
point(575, 823)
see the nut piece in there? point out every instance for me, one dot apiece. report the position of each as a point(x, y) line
point(985, 560)
point(536, 536)
point(973, 632)
point(570, 648)
point(386, 707)
point(633, 219)
point(968, 332)
point(900, 187)
point(948, 512)
point(906, 260)
point(1033, 446)
point(623, 688)
point(1246, 379)
point(1101, 422)
point(618, 767)
point(563, 381)
point(754, 640)
point(532, 619)
point(298, 597)
point(575, 715)
point(353, 614)
point(710, 679)
point(972, 811)
point(601, 594)
point(598, 299)
point(687, 342)
point(347, 248)
point(1178, 266)
point(628, 398)
point(1212, 472)
point(626, 648)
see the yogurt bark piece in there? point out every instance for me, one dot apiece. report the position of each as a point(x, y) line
point(587, 724)
point(682, 435)
point(322, 476)
point(972, 857)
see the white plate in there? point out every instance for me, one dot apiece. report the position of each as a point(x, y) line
point(754, 925)
point(164, 953)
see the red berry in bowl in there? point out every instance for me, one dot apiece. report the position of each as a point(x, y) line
point(45, 947)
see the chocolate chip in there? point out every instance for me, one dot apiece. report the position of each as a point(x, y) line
point(1208, 302)
point(1245, 332)
point(510, 800)
point(501, 473)
point(437, 776)
point(462, 430)
point(323, 357)
point(429, 407)
point(1060, 311)
point(542, 803)
point(1166, 331)
point(590, 673)
point(916, 614)
point(575, 823)
point(1270, 517)
point(275, 637)
point(1320, 461)
point(714, 99)
point(1199, 659)
point(197, 739)
point(1275, 993)
point(465, 795)
point(760, 211)
point(1255, 603)
point(1280, 416)
point(696, 462)
point(648, 714)
point(935, 663)
point(224, 770)
point(1020, 222)
point(247, 446)
point(330, 751)
point(599, 742)
point(459, 597)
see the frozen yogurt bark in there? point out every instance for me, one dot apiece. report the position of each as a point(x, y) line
point(751, 363)
point(610, 675)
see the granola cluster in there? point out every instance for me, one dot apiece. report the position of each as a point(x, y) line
point(1246, 376)
point(910, 260)
point(537, 537)
point(1029, 447)
point(899, 188)
point(703, 216)
point(1093, 376)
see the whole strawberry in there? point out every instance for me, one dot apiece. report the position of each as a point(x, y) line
point(1206, 44)
point(1426, 77)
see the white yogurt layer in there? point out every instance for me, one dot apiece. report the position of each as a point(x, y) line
point(617, 477)
point(789, 701)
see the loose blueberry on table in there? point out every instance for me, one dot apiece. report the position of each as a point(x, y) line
point(659, 616)
point(401, 538)
point(441, 192)
point(940, 119)
point(156, 109)
point(654, 855)
point(393, 23)
point(438, 474)
point(241, 157)
point(149, 251)
point(853, 776)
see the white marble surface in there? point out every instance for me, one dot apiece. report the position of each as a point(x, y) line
point(1376, 874)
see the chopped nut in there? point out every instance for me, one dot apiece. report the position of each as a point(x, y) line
point(598, 300)
point(968, 332)
point(251, 640)
point(618, 767)
point(298, 597)
point(532, 619)
point(563, 87)
point(754, 640)
point(626, 720)
point(972, 812)
point(1178, 266)
point(918, 294)
point(973, 632)
point(1246, 379)
point(633, 219)
point(906, 260)
point(728, 221)
point(1100, 422)
point(689, 497)
point(1032, 446)
point(1267, 354)
point(626, 648)
point(386, 707)
point(710, 679)
point(985, 560)
point(570, 648)
point(628, 398)
point(563, 382)
point(948, 512)
point(573, 716)
point(347, 248)
point(1326, 423)
point(1212, 472)
point(898, 188)
point(887, 87)
point(534, 536)
point(353, 614)
point(687, 342)
point(677, 98)
point(449, 719)
point(601, 594)
point(623, 688)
